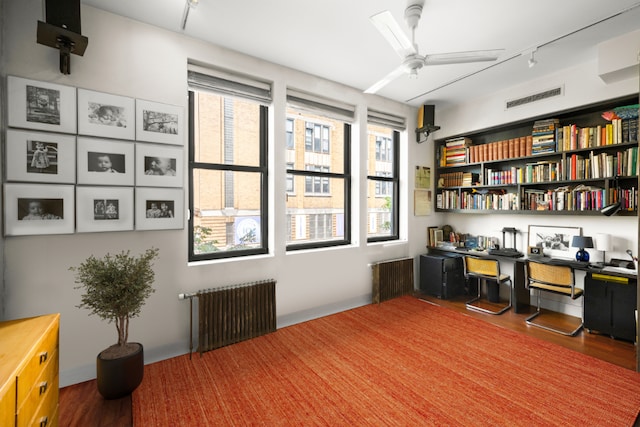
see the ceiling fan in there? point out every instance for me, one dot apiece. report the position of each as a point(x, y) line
point(407, 49)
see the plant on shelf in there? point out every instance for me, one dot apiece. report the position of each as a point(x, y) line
point(115, 289)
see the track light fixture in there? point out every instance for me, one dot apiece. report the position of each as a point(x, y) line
point(532, 60)
point(190, 4)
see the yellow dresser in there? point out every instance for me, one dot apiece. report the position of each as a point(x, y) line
point(29, 371)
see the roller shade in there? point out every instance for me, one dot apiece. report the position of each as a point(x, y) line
point(386, 119)
point(319, 105)
point(225, 83)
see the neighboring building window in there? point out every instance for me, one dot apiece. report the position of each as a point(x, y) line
point(289, 133)
point(228, 175)
point(290, 181)
point(383, 183)
point(320, 163)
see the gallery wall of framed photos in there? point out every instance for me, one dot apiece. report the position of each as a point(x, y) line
point(82, 161)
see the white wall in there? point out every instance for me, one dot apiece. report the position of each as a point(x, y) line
point(136, 60)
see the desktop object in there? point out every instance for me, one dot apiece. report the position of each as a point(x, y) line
point(582, 242)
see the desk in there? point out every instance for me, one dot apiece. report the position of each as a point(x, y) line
point(521, 295)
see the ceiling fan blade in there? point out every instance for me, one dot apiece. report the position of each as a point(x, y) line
point(463, 57)
point(386, 79)
point(393, 33)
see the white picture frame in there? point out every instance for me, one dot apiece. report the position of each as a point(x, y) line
point(152, 215)
point(555, 241)
point(40, 157)
point(54, 212)
point(100, 209)
point(159, 166)
point(95, 151)
point(106, 115)
point(41, 106)
point(159, 123)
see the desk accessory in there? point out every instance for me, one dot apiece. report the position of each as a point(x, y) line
point(603, 243)
point(582, 242)
point(504, 251)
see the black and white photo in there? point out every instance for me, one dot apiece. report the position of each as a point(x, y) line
point(106, 115)
point(159, 208)
point(101, 209)
point(159, 165)
point(41, 105)
point(31, 209)
point(105, 162)
point(40, 157)
point(160, 123)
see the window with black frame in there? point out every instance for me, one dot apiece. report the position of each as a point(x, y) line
point(318, 168)
point(227, 165)
point(383, 179)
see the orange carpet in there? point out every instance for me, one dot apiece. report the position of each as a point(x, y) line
point(404, 362)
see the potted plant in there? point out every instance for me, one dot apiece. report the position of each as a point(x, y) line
point(115, 289)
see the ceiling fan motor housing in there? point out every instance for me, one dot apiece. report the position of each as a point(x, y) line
point(412, 14)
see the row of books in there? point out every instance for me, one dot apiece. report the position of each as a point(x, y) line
point(574, 167)
point(489, 201)
point(547, 137)
point(458, 179)
point(580, 198)
point(500, 150)
point(619, 131)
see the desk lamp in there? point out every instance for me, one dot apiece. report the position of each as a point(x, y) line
point(603, 243)
point(582, 242)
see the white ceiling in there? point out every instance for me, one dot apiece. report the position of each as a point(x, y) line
point(335, 39)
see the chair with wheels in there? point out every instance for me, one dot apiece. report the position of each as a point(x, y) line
point(486, 272)
point(558, 279)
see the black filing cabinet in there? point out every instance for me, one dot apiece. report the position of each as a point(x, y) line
point(442, 275)
point(609, 305)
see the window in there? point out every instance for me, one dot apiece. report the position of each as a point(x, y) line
point(228, 172)
point(383, 176)
point(319, 162)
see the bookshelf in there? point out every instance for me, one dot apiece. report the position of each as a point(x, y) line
point(572, 162)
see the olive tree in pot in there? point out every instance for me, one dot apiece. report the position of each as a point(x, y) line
point(115, 289)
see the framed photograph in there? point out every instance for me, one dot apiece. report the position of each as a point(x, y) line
point(159, 208)
point(38, 209)
point(159, 166)
point(104, 209)
point(41, 157)
point(105, 162)
point(103, 114)
point(41, 106)
point(160, 123)
point(554, 241)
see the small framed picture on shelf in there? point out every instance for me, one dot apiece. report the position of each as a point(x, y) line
point(105, 162)
point(107, 115)
point(160, 123)
point(104, 209)
point(41, 106)
point(159, 166)
point(159, 208)
point(38, 209)
point(40, 157)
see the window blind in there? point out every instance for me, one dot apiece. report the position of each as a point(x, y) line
point(385, 119)
point(226, 83)
point(319, 105)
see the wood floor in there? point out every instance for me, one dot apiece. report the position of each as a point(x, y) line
point(82, 405)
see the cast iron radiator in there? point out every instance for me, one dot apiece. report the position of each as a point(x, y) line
point(392, 279)
point(234, 313)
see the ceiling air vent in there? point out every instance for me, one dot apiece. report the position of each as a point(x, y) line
point(535, 97)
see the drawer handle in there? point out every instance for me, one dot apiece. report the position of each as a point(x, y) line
point(43, 357)
point(43, 387)
point(44, 421)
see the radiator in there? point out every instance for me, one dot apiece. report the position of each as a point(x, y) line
point(392, 279)
point(234, 313)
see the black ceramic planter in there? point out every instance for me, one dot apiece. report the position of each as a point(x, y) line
point(119, 377)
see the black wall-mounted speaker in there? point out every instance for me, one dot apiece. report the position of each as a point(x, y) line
point(64, 14)
point(426, 115)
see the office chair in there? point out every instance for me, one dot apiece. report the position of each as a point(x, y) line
point(558, 279)
point(485, 271)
